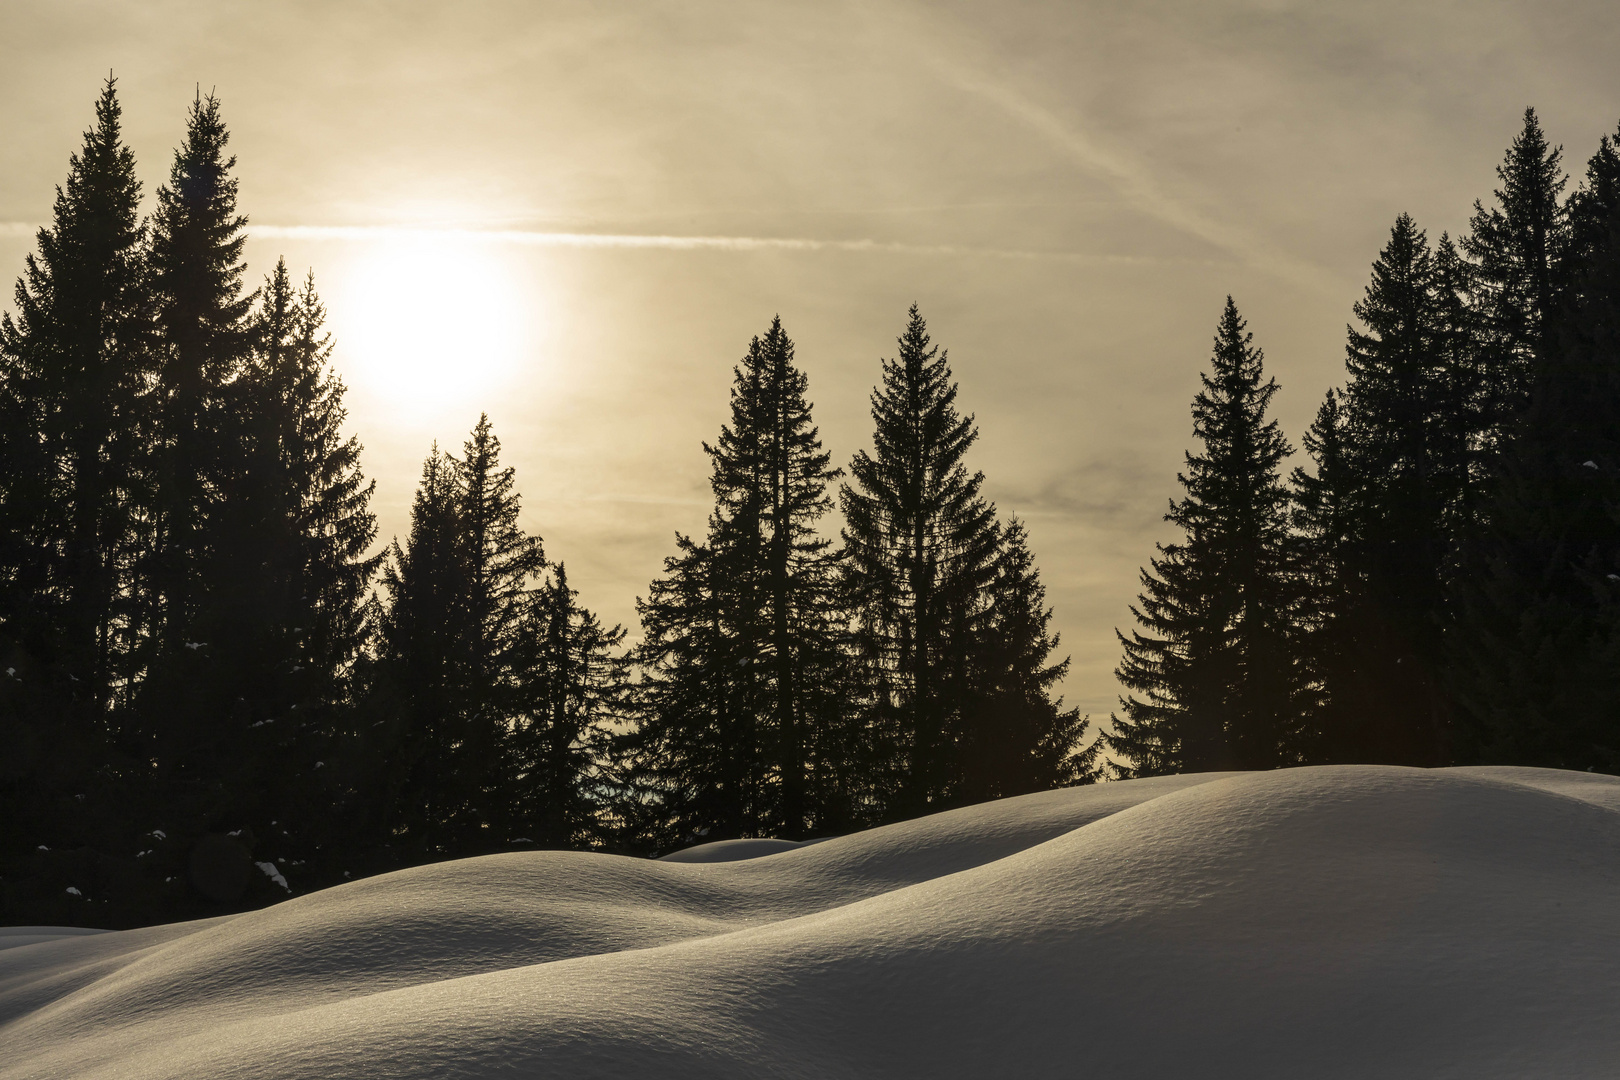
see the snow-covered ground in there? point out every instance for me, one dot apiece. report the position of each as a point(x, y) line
point(1329, 922)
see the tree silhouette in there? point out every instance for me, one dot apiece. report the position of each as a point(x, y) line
point(1016, 738)
point(1535, 636)
point(75, 366)
point(1515, 250)
point(1379, 516)
point(1217, 661)
point(921, 544)
point(451, 643)
point(743, 724)
point(571, 691)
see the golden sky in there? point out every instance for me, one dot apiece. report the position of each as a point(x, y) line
point(575, 215)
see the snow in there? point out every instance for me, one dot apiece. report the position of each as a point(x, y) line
point(1330, 922)
point(273, 874)
point(13, 936)
point(733, 850)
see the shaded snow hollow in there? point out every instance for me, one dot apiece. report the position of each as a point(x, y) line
point(1329, 922)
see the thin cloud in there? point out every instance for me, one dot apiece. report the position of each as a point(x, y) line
point(1135, 184)
point(664, 242)
point(528, 238)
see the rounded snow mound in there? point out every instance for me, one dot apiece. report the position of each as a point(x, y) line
point(1325, 922)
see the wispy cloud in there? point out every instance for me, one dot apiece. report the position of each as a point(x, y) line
point(645, 241)
point(1134, 183)
point(529, 238)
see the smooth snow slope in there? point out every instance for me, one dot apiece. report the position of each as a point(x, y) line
point(1353, 921)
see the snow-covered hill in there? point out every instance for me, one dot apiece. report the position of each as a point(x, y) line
point(1328, 922)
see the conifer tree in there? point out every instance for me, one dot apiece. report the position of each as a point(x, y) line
point(1324, 518)
point(691, 761)
point(77, 363)
point(1017, 738)
point(1215, 656)
point(921, 545)
point(1535, 634)
point(742, 649)
point(421, 678)
point(1589, 210)
point(295, 571)
point(188, 701)
point(325, 495)
point(502, 560)
point(1400, 462)
point(572, 687)
point(1515, 251)
point(460, 591)
point(75, 368)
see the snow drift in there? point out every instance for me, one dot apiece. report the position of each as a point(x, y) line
point(1348, 921)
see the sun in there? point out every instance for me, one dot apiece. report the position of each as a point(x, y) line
point(434, 319)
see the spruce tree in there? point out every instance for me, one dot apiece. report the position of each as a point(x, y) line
point(921, 545)
point(1588, 211)
point(572, 687)
point(502, 560)
point(420, 681)
point(295, 570)
point(1535, 634)
point(1515, 251)
point(75, 369)
point(194, 723)
point(691, 761)
point(1404, 458)
point(1215, 658)
point(743, 725)
point(1017, 737)
point(451, 642)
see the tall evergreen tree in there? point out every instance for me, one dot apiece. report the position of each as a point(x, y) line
point(1326, 516)
point(692, 759)
point(502, 562)
point(1589, 211)
point(742, 648)
point(193, 723)
point(1401, 464)
point(294, 573)
point(1535, 636)
point(75, 370)
point(460, 591)
point(572, 688)
point(420, 679)
point(922, 545)
point(1215, 656)
point(77, 364)
point(1515, 250)
point(1017, 737)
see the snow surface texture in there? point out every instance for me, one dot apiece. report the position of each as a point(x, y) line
point(1331, 922)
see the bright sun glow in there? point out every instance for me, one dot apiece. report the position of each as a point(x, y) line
point(433, 320)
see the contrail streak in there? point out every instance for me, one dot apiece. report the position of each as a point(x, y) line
point(528, 238)
point(532, 238)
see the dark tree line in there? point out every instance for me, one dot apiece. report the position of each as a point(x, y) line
point(1443, 585)
point(216, 689)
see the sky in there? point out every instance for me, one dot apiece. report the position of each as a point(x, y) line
point(574, 216)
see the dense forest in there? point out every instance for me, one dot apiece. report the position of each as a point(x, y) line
point(218, 689)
